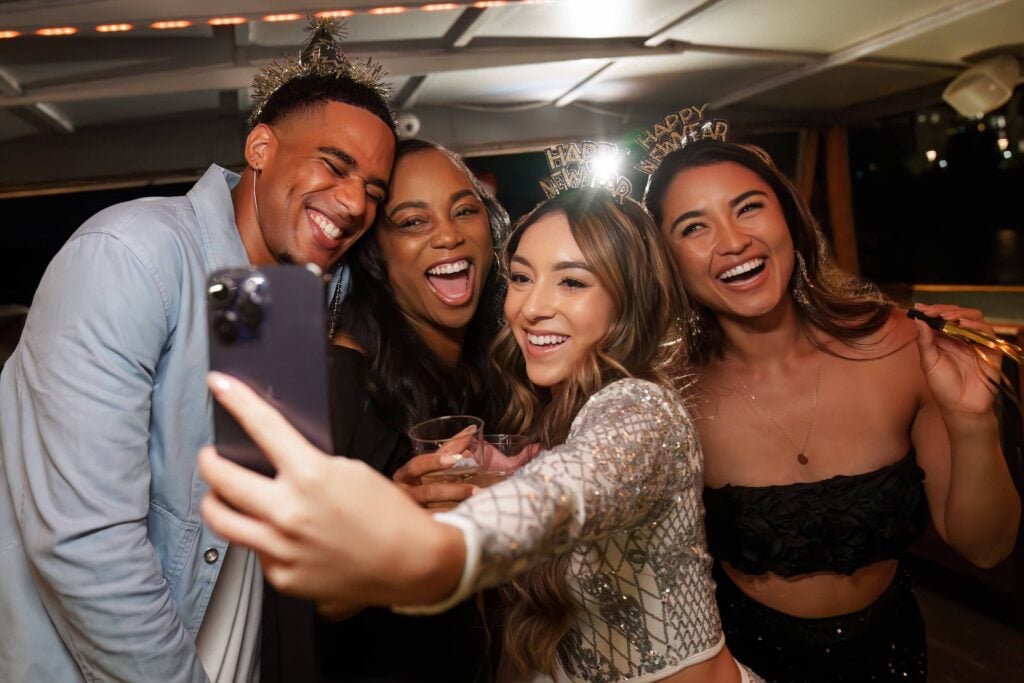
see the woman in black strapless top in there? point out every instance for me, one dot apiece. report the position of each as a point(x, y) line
point(829, 434)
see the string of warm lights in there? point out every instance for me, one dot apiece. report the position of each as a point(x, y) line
point(180, 23)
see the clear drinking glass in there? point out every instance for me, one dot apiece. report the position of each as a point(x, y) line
point(461, 434)
point(500, 457)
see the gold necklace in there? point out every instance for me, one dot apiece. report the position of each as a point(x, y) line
point(801, 451)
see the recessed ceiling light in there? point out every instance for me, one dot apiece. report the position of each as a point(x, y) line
point(114, 28)
point(227, 21)
point(165, 25)
point(388, 10)
point(282, 17)
point(334, 14)
point(57, 31)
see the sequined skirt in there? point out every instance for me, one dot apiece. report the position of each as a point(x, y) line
point(885, 641)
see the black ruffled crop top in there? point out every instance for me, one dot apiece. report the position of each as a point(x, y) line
point(835, 525)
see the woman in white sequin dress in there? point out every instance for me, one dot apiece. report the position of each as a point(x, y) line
point(600, 538)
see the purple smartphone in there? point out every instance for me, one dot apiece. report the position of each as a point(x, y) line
point(267, 328)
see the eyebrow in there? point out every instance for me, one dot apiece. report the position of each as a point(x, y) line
point(420, 204)
point(732, 204)
point(748, 193)
point(571, 265)
point(561, 265)
point(347, 159)
point(459, 194)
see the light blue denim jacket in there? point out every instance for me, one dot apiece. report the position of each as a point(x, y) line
point(106, 568)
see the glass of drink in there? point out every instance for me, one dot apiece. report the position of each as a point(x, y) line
point(503, 453)
point(455, 435)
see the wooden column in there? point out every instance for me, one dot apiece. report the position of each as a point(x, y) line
point(807, 161)
point(840, 202)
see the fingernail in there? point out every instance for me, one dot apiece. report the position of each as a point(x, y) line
point(451, 458)
point(475, 489)
point(919, 306)
point(219, 382)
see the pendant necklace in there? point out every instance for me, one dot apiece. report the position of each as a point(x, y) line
point(801, 451)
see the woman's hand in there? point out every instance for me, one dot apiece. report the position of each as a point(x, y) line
point(960, 375)
point(326, 528)
point(435, 495)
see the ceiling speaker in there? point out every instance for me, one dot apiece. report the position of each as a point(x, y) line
point(983, 87)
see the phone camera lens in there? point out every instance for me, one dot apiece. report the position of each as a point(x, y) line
point(250, 309)
point(225, 326)
point(222, 292)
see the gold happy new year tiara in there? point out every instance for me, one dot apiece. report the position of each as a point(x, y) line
point(675, 131)
point(576, 165)
point(321, 55)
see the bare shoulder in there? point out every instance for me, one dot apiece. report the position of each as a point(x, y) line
point(895, 338)
point(887, 362)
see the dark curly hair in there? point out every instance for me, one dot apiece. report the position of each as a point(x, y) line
point(406, 380)
point(302, 94)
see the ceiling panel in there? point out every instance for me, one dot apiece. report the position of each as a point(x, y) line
point(98, 112)
point(12, 127)
point(847, 85)
point(682, 79)
point(511, 56)
point(506, 85)
point(583, 18)
point(820, 26)
point(43, 73)
point(1002, 25)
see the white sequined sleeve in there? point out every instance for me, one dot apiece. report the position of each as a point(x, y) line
point(630, 451)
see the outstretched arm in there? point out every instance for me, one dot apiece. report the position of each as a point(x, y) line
point(974, 504)
point(333, 530)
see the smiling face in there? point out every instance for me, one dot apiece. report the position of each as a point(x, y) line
point(727, 231)
point(556, 307)
point(322, 174)
point(436, 242)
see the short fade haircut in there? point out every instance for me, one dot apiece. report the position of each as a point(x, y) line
point(307, 92)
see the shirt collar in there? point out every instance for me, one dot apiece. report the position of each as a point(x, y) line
point(211, 200)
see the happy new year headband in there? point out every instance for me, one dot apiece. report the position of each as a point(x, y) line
point(676, 130)
point(576, 165)
point(321, 55)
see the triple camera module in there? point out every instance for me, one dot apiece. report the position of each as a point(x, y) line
point(237, 305)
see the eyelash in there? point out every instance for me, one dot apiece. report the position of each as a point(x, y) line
point(749, 206)
point(375, 197)
point(518, 278)
point(467, 211)
point(411, 223)
point(687, 229)
point(573, 283)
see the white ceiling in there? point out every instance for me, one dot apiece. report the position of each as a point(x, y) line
point(513, 76)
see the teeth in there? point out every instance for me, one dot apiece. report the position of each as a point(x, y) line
point(545, 340)
point(742, 268)
point(449, 268)
point(327, 227)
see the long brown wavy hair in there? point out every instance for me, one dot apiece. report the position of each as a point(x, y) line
point(844, 306)
point(622, 245)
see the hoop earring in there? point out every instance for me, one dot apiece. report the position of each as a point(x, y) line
point(255, 205)
point(802, 282)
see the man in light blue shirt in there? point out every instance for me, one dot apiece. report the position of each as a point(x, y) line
point(106, 569)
